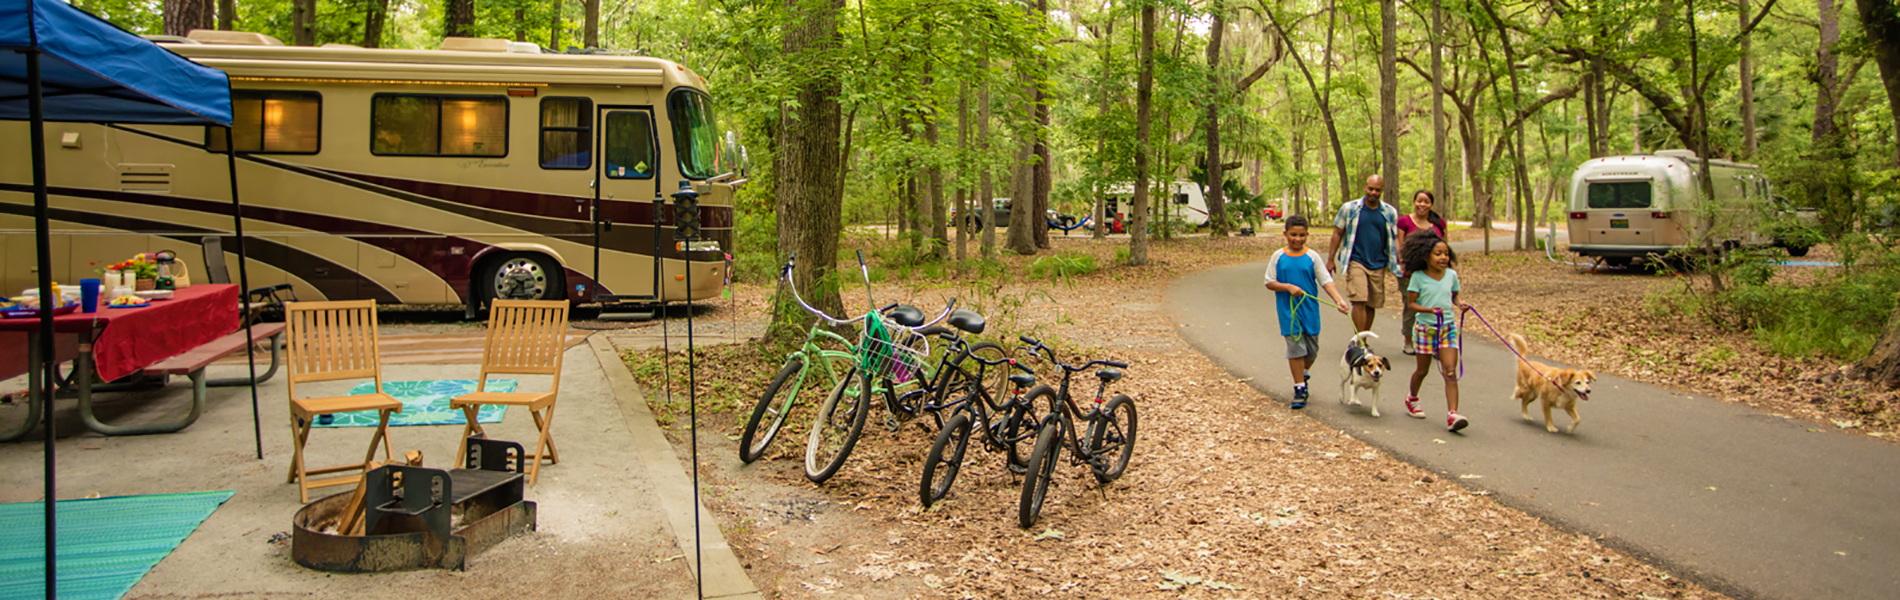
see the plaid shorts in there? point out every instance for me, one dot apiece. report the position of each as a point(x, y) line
point(1423, 334)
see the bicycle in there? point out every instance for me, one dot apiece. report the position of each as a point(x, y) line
point(1111, 435)
point(891, 354)
point(980, 411)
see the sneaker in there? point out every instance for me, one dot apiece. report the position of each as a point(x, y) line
point(1411, 407)
point(1455, 422)
point(1299, 397)
point(1407, 349)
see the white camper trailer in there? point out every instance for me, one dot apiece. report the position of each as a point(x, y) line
point(1625, 207)
point(1185, 203)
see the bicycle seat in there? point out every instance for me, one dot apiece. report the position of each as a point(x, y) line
point(906, 315)
point(966, 320)
point(1022, 380)
point(1109, 375)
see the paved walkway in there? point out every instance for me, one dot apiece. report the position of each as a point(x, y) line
point(1749, 504)
point(615, 517)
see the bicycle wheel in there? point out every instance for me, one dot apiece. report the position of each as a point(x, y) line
point(995, 382)
point(835, 430)
point(1020, 427)
point(780, 398)
point(945, 460)
point(1112, 438)
point(1042, 466)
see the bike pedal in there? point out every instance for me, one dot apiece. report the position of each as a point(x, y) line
point(891, 422)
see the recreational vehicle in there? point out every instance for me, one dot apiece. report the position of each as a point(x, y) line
point(1625, 207)
point(1185, 204)
point(485, 169)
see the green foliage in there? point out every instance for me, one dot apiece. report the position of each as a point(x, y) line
point(1062, 268)
point(1839, 317)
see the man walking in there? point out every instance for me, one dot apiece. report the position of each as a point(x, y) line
point(1368, 230)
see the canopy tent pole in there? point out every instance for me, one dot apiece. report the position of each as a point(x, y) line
point(42, 230)
point(244, 287)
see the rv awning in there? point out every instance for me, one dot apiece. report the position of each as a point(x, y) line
point(97, 73)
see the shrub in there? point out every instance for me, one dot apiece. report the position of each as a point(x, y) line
point(1062, 267)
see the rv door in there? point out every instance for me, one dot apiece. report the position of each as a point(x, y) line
point(629, 196)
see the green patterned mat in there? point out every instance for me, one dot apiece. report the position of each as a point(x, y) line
point(105, 544)
point(424, 403)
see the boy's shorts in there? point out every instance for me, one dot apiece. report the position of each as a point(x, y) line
point(1302, 346)
point(1365, 285)
point(1426, 331)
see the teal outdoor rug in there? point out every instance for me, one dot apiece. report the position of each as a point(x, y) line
point(424, 403)
point(105, 544)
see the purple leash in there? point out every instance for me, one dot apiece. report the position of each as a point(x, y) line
point(1507, 345)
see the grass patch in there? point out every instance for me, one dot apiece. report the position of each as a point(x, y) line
point(730, 376)
point(1839, 317)
point(1062, 267)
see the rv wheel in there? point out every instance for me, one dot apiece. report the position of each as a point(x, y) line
point(521, 276)
point(1797, 251)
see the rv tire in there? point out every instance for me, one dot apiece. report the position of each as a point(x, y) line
point(548, 275)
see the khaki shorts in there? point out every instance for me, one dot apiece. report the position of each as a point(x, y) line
point(1365, 285)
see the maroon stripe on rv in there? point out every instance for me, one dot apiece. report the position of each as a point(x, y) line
point(549, 206)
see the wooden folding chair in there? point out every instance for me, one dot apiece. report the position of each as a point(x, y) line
point(525, 337)
point(332, 341)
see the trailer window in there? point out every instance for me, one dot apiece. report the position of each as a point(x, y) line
point(272, 123)
point(1620, 194)
point(567, 133)
point(696, 135)
point(412, 125)
point(629, 144)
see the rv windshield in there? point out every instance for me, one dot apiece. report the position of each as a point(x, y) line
point(695, 134)
point(1620, 194)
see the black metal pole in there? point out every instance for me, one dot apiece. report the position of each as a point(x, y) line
point(692, 410)
point(244, 285)
point(49, 300)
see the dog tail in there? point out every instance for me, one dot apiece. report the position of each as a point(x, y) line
point(1364, 338)
point(1517, 343)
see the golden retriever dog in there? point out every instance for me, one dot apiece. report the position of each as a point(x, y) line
point(1561, 388)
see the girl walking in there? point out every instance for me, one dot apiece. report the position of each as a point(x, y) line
point(1433, 295)
point(1422, 218)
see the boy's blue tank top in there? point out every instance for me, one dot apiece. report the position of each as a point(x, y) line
point(1297, 270)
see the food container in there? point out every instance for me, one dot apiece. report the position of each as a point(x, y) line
point(155, 294)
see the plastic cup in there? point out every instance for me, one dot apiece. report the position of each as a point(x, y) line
point(89, 295)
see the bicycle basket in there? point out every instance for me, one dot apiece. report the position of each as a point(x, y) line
point(882, 356)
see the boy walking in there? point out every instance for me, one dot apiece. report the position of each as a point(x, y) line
point(1295, 275)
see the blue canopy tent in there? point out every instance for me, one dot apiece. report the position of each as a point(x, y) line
point(58, 63)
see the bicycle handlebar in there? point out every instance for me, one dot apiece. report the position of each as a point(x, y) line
point(1037, 345)
point(791, 265)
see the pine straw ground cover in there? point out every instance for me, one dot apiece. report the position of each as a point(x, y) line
point(1229, 493)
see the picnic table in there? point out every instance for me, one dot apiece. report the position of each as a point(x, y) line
point(116, 342)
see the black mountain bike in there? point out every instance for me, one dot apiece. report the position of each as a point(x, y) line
point(1008, 424)
point(1109, 443)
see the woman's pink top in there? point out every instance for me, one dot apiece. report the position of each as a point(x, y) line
point(1406, 225)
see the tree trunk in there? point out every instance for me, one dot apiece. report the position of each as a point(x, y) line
point(373, 19)
point(303, 22)
point(521, 25)
point(1144, 107)
point(227, 15)
point(182, 16)
point(1745, 76)
point(933, 199)
point(810, 193)
point(1216, 199)
point(1389, 97)
point(1826, 73)
point(554, 24)
point(1438, 110)
point(1880, 20)
point(458, 18)
point(984, 206)
point(963, 163)
point(1022, 207)
point(1099, 211)
point(590, 27)
point(1041, 176)
point(1882, 365)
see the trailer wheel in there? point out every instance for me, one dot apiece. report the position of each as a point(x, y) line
point(1797, 251)
point(521, 276)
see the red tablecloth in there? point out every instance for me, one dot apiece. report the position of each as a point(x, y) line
point(134, 338)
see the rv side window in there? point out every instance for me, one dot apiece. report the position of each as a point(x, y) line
point(629, 144)
point(1621, 194)
point(412, 125)
point(272, 123)
point(567, 133)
